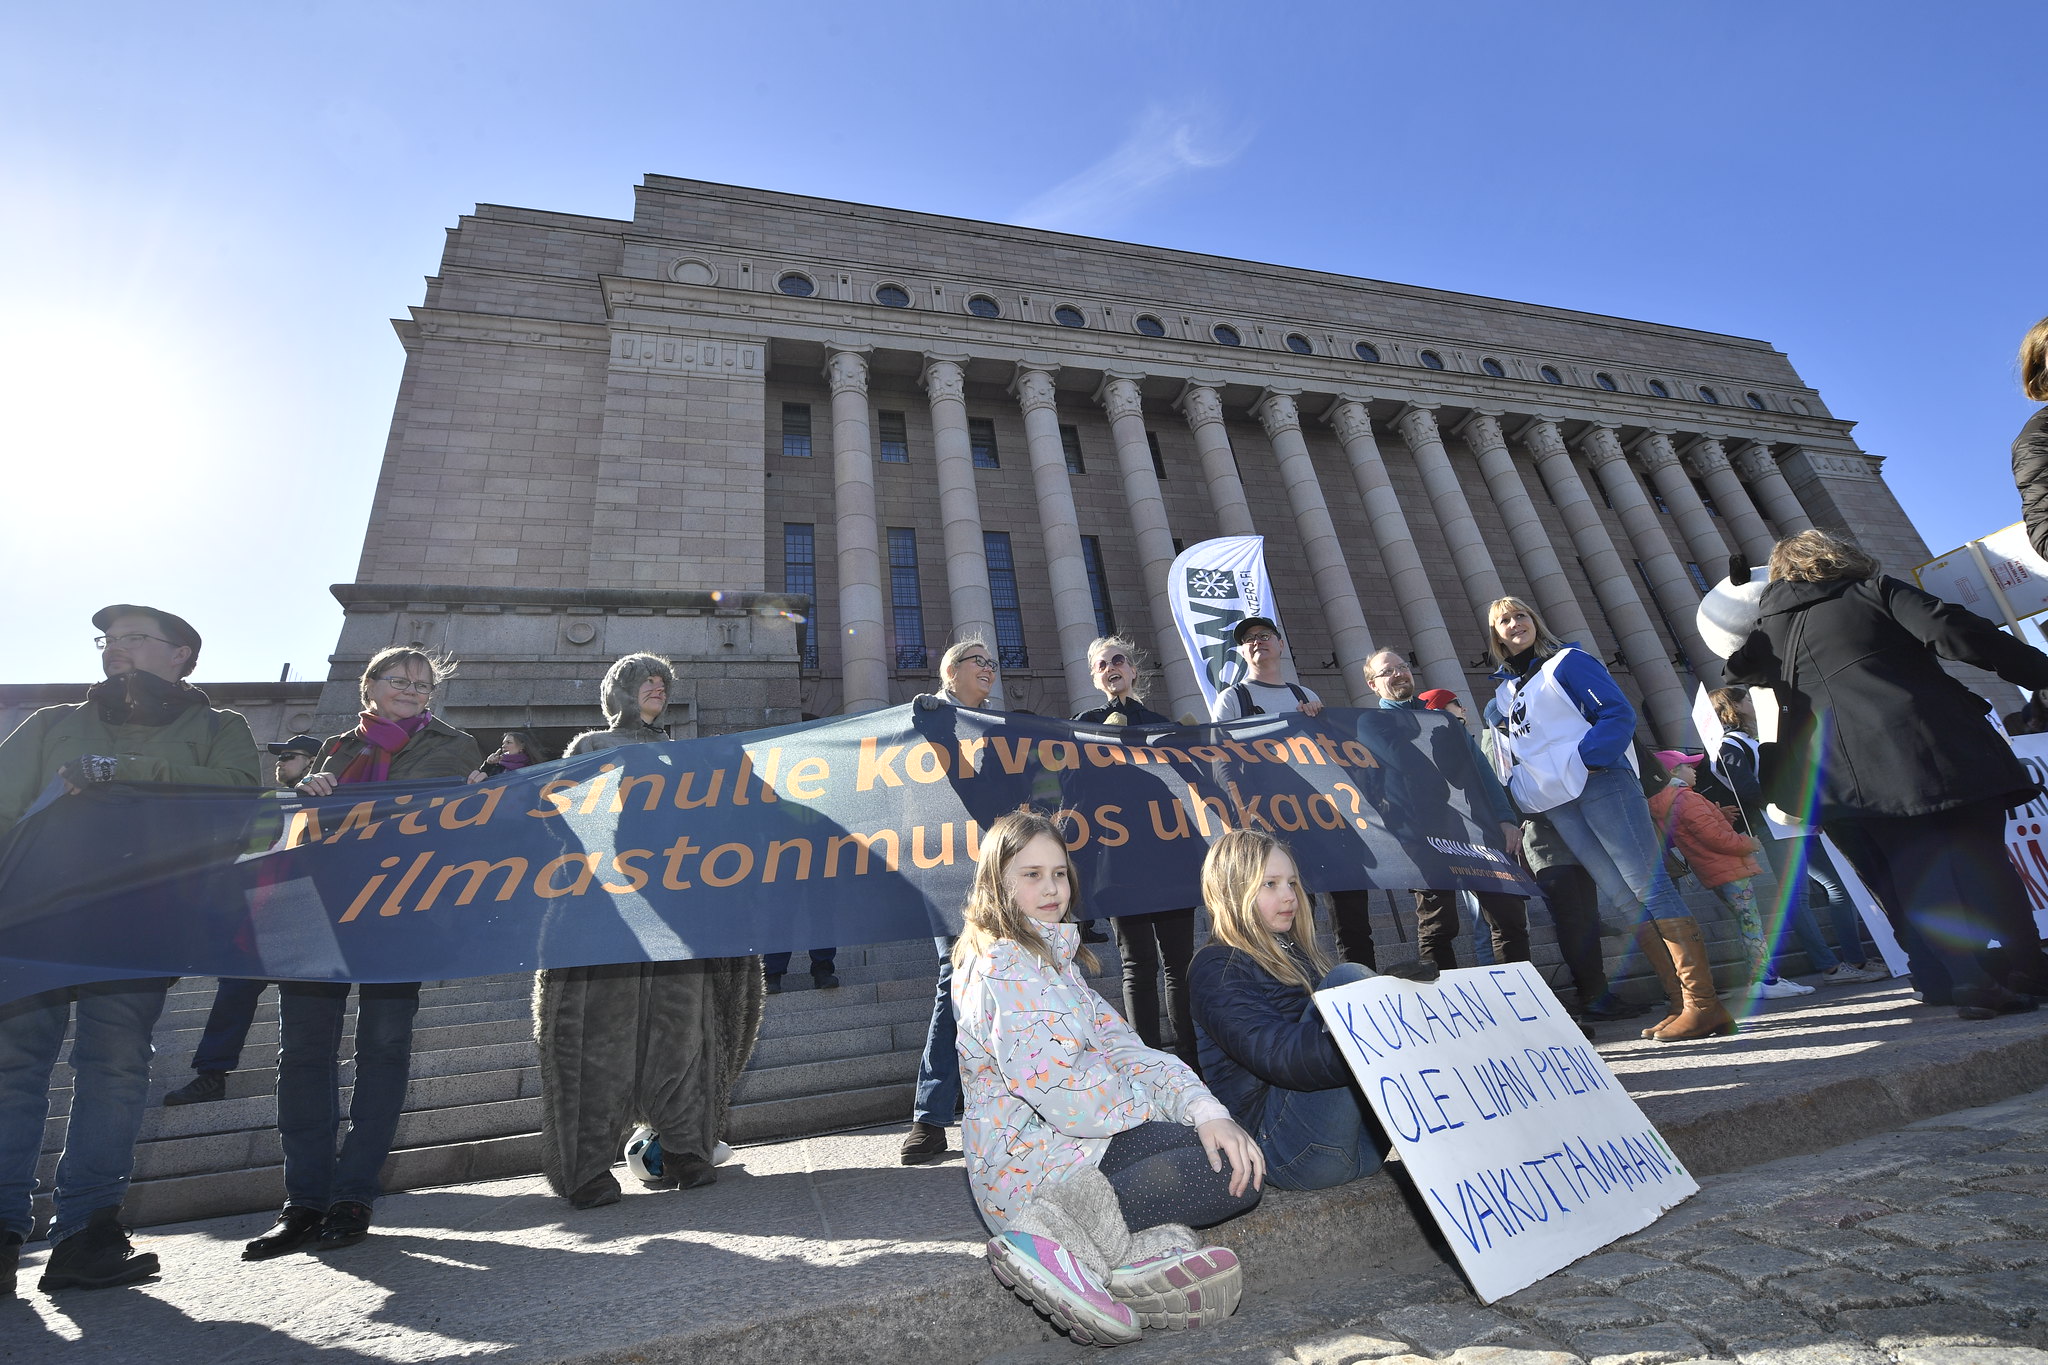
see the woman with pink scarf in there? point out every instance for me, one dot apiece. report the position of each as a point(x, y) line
point(328, 1194)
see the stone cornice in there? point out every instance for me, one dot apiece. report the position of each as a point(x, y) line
point(415, 596)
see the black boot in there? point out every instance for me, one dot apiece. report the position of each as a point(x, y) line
point(295, 1227)
point(202, 1088)
point(99, 1256)
point(10, 1262)
point(347, 1223)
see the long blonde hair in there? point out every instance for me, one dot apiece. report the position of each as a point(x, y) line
point(1817, 557)
point(1141, 677)
point(1231, 875)
point(991, 914)
point(2034, 362)
point(1546, 643)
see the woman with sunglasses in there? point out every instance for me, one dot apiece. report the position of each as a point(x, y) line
point(328, 1195)
point(1162, 942)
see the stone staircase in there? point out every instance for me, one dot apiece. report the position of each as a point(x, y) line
point(826, 1061)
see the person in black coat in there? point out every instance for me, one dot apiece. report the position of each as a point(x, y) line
point(1876, 740)
point(1161, 943)
point(2030, 449)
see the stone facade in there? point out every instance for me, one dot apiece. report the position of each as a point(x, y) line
point(605, 424)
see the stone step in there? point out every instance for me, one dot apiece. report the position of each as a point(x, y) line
point(807, 1115)
point(828, 1077)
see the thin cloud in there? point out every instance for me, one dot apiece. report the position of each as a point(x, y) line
point(1166, 145)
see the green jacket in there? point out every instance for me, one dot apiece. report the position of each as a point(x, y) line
point(201, 745)
point(440, 750)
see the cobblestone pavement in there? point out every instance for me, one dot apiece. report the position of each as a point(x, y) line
point(1924, 1246)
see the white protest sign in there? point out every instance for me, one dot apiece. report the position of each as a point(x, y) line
point(1522, 1143)
point(1213, 585)
point(2024, 828)
point(2002, 565)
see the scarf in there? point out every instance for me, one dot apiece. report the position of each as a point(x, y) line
point(381, 740)
point(139, 698)
point(507, 762)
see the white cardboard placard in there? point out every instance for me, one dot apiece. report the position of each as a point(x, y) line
point(1523, 1144)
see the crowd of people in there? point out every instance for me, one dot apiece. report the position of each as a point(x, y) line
point(1101, 1144)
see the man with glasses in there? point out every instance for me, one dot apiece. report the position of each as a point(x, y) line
point(143, 723)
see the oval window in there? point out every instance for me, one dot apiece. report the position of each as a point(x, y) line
point(1657, 387)
point(1367, 352)
point(1755, 400)
point(1298, 344)
point(1493, 367)
point(1707, 395)
point(1550, 376)
point(1226, 336)
point(1432, 361)
point(1150, 326)
point(1066, 315)
point(797, 286)
point(892, 296)
point(1606, 381)
point(982, 306)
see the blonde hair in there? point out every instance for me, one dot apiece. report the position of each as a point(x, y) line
point(1817, 557)
point(1231, 876)
point(2034, 362)
point(440, 667)
point(1142, 679)
point(991, 914)
point(1728, 707)
point(1546, 643)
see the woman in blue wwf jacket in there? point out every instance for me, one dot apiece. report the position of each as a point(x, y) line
point(1264, 1050)
point(1565, 749)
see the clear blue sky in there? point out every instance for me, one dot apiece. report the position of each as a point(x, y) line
point(211, 211)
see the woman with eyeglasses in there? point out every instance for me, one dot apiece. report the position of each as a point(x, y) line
point(1162, 942)
point(328, 1195)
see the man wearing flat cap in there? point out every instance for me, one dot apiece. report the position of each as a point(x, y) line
point(143, 723)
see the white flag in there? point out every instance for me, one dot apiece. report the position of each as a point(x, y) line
point(1215, 584)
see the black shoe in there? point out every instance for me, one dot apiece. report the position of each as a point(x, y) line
point(924, 1144)
point(97, 1257)
point(1421, 969)
point(687, 1172)
point(1091, 934)
point(596, 1192)
point(202, 1088)
point(10, 1262)
point(295, 1227)
point(347, 1223)
point(775, 983)
point(1988, 1002)
point(824, 981)
point(1608, 1007)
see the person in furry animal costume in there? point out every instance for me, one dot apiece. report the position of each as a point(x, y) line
point(654, 1043)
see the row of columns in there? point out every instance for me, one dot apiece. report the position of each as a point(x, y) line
point(866, 666)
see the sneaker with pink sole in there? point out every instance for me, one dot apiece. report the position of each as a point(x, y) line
point(1181, 1288)
point(1045, 1275)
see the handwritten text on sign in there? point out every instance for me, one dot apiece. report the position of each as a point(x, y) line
point(1525, 1147)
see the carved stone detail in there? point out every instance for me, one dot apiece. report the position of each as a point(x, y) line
point(1753, 462)
point(1201, 405)
point(847, 372)
point(1543, 439)
point(1277, 413)
point(1035, 389)
point(1601, 445)
point(1417, 425)
point(1655, 451)
point(1122, 398)
point(686, 355)
point(1482, 431)
point(944, 380)
point(1352, 421)
point(1707, 456)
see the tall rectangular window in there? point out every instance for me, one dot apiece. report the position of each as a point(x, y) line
point(1002, 591)
point(796, 429)
point(1098, 585)
point(1070, 442)
point(1706, 500)
point(891, 438)
point(981, 441)
point(906, 598)
point(800, 575)
point(1158, 460)
point(1699, 579)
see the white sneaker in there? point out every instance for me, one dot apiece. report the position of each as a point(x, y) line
point(1180, 1289)
point(1842, 974)
point(720, 1154)
point(1782, 989)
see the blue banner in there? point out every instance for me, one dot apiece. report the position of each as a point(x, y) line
point(846, 831)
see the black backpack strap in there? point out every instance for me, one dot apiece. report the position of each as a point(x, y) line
point(1245, 705)
point(1300, 697)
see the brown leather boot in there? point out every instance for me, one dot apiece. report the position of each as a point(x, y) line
point(1703, 1015)
point(1651, 944)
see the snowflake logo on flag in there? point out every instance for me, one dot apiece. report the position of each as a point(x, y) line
point(1213, 583)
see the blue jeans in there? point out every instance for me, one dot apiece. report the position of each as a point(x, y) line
point(1607, 827)
point(227, 1024)
point(938, 1072)
point(1314, 1139)
point(309, 1086)
point(110, 1086)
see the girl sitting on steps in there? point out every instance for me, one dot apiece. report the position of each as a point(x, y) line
point(1091, 1156)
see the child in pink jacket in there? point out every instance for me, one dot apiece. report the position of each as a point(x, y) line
point(1091, 1156)
point(1722, 857)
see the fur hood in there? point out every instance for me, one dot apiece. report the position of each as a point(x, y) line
point(622, 688)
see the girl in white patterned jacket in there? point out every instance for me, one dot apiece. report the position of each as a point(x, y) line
point(1076, 1132)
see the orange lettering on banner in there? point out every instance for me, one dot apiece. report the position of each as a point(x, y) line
point(1272, 749)
point(358, 818)
point(774, 765)
point(1106, 826)
point(943, 858)
point(1105, 755)
point(594, 798)
point(927, 762)
point(488, 800)
point(355, 907)
point(1358, 756)
point(886, 837)
point(1280, 807)
point(586, 865)
point(409, 823)
point(1011, 753)
point(513, 868)
point(1058, 755)
point(713, 785)
point(709, 869)
point(625, 861)
point(391, 904)
point(1318, 804)
point(739, 786)
point(1305, 750)
point(305, 827)
point(875, 766)
point(656, 783)
point(776, 848)
point(555, 796)
point(808, 778)
point(1180, 821)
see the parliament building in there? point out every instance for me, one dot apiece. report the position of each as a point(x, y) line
point(800, 446)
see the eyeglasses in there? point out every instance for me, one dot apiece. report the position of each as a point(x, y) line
point(1113, 661)
point(1260, 637)
point(128, 641)
point(978, 660)
point(425, 689)
point(1388, 673)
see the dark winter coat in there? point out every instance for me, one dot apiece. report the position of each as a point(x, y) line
point(1855, 665)
point(621, 701)
point(1254, 1031)
point(439, 750)
point(2030, 472)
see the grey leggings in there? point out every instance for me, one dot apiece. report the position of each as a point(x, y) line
point(1161, 1175)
